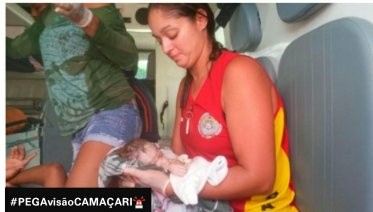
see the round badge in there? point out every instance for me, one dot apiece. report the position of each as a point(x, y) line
point(208, 126)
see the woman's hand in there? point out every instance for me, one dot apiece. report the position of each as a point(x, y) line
point(154, 179)
point(126, 181)
point(17, 160)
point(177, 167)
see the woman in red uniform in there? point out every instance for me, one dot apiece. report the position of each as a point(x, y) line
point(226, 105)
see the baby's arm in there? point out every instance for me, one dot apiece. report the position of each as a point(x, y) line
point(172, 163)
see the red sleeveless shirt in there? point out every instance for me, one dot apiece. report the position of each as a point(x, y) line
point(204, 133)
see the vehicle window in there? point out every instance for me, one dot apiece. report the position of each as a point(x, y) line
point(142, 71)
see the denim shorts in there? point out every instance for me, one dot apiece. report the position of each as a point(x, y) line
point(113, 127)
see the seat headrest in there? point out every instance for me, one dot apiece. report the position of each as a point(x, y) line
point(245, 28)
point(290, 12)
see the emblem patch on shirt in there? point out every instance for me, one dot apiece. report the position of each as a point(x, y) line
point(208, 126)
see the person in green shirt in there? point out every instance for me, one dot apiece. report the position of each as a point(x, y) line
point(85, 49)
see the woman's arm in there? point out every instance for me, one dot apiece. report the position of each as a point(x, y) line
point(247, 103)
point(46, 175)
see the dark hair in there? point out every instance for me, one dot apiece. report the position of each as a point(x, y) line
point(190, 11)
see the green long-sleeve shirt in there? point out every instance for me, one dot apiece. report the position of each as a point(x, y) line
point(83, 75)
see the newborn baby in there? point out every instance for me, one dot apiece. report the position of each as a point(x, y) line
point(142, 154)
point(187, 176)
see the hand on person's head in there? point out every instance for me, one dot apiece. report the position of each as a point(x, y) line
point(154, 179)
point(76, 12)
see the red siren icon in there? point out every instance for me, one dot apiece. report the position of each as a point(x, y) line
point(139, 201)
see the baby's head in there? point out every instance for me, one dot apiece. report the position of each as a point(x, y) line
point(142, 150)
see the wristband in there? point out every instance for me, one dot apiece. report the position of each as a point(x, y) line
point(87, 18)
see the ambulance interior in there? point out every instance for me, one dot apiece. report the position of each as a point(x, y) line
point(320, 55)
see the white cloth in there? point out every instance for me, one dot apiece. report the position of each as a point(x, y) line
point(112, 165)
point(199, 172)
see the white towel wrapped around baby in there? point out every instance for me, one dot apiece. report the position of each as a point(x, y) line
point(199, 172)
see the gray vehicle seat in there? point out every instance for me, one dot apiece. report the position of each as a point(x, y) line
point(294, 12)
point(55, 148)
point(326, 80)
point(269, 67)
point(245, 28)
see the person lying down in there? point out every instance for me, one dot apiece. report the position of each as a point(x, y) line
point(186, 175)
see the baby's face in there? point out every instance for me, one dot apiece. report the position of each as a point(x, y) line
point(147, 157)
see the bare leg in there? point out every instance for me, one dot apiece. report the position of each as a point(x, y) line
point(46, 175)
point(84, 172)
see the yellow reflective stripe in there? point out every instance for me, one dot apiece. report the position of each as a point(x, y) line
point(279, 128)
point(284, 194)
